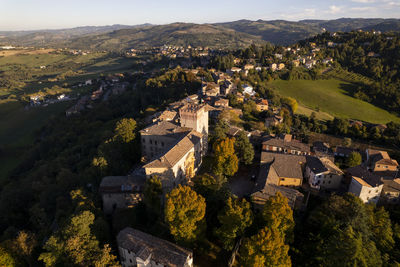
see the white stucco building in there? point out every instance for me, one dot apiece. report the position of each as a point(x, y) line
point(322, 173)
point(365, 184)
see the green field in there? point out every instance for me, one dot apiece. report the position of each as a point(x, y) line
point(331, 96)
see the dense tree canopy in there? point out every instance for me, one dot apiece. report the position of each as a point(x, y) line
point(225, 160)
point(234, 219)
point(184, 213)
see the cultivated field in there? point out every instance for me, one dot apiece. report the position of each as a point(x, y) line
point(332, 97)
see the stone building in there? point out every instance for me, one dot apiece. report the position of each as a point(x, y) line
point(365, 184)
point(121, 192)
point(322, 173)
point(195, 116)
point(174, 152)
point(137, 248)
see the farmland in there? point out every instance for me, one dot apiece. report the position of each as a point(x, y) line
point(58, 74)
point(332, 97)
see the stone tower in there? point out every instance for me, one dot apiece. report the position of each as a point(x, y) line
point(195, 116)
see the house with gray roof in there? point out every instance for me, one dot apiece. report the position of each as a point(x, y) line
point(137, 248)
point(322, 173)
point(279, 173)
point(286, 145)
point(365, 184)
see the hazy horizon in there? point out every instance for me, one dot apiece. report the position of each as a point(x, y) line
point(18, 15)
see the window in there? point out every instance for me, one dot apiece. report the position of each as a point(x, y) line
point(155, 142)
point(151, 141)
point(369, 192)
point(282, 179)
point(329, 182)
point(162, 143)
point(143, 140)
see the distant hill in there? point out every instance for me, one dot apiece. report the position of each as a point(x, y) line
point(54, 37)
point(275, 31)
point(234, 34)
point(343, 24)
point(181, 34)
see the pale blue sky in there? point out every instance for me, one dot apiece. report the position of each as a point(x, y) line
point(53, 14)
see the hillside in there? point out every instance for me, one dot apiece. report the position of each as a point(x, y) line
point(171, 34)
point(276, 31)
point(234, 34)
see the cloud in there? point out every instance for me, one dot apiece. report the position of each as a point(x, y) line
point(364, 8)
point(334, 9)
point(363, 1)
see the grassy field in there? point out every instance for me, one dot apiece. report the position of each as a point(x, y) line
point(331, 97)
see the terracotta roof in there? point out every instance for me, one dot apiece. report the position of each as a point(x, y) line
point(293, 144)
point(320, 165)
point(285, 165)
point(391, 185)
point(364, 177)
point(271, 190)
point(172, 156)
point(145, 245)
point(165, 128)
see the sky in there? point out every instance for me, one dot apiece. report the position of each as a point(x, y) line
point(56, 14)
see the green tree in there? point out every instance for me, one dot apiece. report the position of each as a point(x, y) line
point(244, 148)
point(225, 160)
point(234, 219)
point(125, 130)
point(75, 244)
point(152, 194)
point(277, 214)
point(184, 213)
point(6, 258)
point(354, 159)
point(341, 230)
point(291, 102)
point(267, 248)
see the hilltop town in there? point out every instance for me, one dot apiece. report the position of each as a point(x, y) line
point(183, 155)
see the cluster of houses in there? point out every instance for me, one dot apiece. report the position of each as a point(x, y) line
point(41, 100)
point(287, 165)
point(175, 142)
point(111, 85)
point(184, 54)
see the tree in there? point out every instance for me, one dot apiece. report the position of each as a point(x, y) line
point(225, 160)
point(291, 102)
point(6, 259)
point(24, 244)
point(277, 214)
point(341, 230)
point(244, 148)
point(184, 213)
point(152, 194)
point(234, 219)
point(75, 244)
point(267, 248)
point(125, 130)
point(354, 159)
